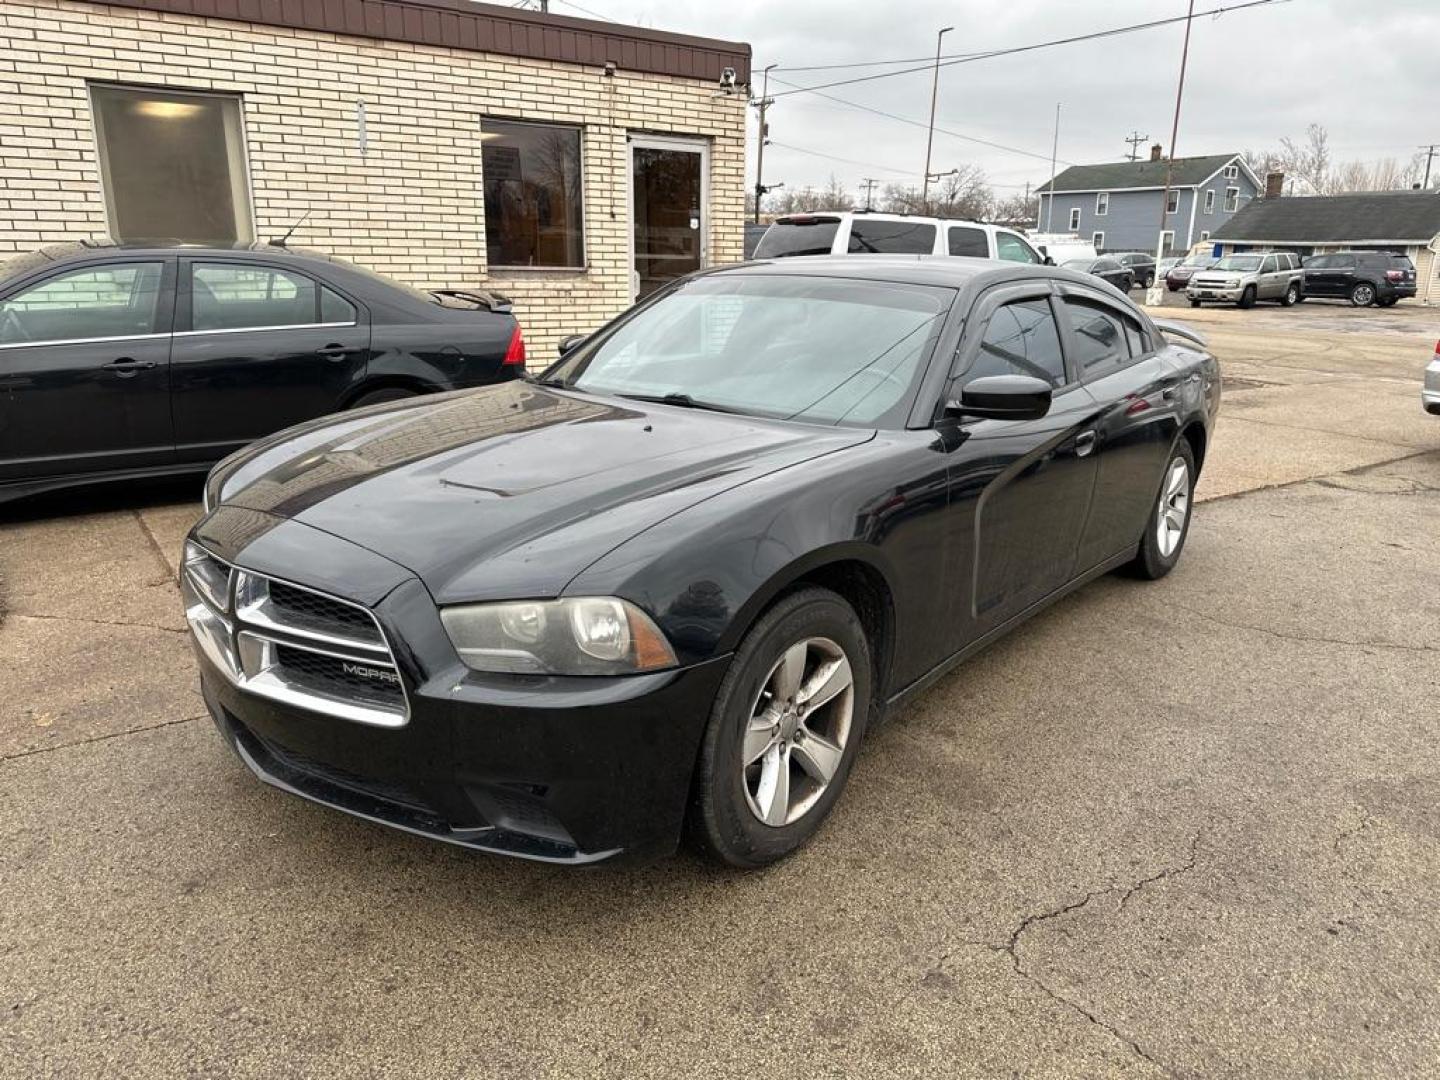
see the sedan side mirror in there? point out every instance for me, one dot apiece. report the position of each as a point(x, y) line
point(568, 344)
point(1002, 397)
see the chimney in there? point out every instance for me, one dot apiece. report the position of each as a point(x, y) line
point(1155, 149)
point(1274, 185)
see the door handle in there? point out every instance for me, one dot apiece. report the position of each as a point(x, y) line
point(125, 367)
point(334, 352)
point(1084, 443)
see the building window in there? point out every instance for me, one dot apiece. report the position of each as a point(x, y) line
point(533, 194)
point(1210, 201)
point(1204, 235)
point(1172, 201)
point(1102, 204)
point(1167, 240)
point(1074, 219)
point(172, 165)
point(1232, 199)
point(1097, 241)
point(1232, 172)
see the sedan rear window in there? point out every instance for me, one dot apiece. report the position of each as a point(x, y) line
point(869, 237)
point(798, 236)
point(822, 350)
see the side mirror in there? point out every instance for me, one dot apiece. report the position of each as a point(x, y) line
point(568, 344)
point(1049, 261)
point(1002, 397)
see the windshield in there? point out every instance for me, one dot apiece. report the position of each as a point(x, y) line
point(822, 350)
point(1078, 264)
point(1200, 262)
point(1239, 262)
point(810, 236)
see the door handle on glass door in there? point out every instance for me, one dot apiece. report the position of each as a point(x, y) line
point(1084, 443)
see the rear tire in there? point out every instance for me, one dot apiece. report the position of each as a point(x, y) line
point(760, 730)
point(379, 397)
point(1147, 281)
point(1160, 549)
point(1362, 295)
point(1292, 296)
point(1247, 297)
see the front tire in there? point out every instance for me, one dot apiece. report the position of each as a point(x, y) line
point(1362, 295)
point(1194, 303)
point(1247, 297)
point(783, 732)
point(1169, 522)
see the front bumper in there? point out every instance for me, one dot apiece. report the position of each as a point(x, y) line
point(566, 770)
point(1221, 293)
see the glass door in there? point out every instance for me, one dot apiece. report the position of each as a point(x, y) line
point(668, 211)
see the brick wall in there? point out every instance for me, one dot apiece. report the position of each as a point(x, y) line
point(413, 206)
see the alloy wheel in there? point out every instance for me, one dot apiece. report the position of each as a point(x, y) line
point(797, 731)
point(1174, 507)
point(1363, 296)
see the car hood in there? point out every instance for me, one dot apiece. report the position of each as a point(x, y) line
point(510, 491)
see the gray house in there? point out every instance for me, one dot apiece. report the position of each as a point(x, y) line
point(1117, 206)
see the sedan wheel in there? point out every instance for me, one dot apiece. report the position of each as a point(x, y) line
point(783, 732)
point(799, 726)
point(1169, 524)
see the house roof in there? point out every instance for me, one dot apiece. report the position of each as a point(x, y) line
point(1121, 175)
point(1412, 216)
point(479, 27)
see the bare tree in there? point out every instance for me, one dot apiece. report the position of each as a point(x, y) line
point(964, 194)
point(833, 196)
point(1309, 160)
point(1016, 210)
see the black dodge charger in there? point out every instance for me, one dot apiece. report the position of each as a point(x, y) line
point(119, 362)
point(668, 586)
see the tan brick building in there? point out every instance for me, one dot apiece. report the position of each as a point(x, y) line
point(567, 163)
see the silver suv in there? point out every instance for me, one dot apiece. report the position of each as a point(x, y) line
point(1243, 279)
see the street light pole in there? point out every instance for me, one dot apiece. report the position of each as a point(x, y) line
point(763, 104)
point(930, 134)
point(1054, 158)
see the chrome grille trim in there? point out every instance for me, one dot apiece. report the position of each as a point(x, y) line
point(244, 636)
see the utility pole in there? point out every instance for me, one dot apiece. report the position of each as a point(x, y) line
point(1155, 295)
point(1135, 139)
point(1429, 157)
point(930, 134)
point(869, 184)
point(762, 106)
point(1054, 157)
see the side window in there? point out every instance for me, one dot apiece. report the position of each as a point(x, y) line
point(1269, 265)
point(870, 237)
point(1011, 248)
point(966, 241)
point(334, 308)
point(232, 296)
point(116, 300)
point(1100, 340)
point(1021, 339)
point(1135, 339)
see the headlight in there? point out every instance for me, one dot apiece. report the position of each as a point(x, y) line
point(587, 635)
point(1232, 282)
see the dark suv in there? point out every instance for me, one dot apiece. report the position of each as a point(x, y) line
point(1140, 265)
point(1362, 277)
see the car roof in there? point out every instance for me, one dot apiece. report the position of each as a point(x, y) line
point(948, 271)
point(89, 249)
point(877, 215)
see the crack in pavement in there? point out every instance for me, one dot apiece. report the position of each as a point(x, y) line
point(1011, 947)
point(94, 622)
point(1358, 470)
point(155, 547)
point(101, 738)
point(1312, 639)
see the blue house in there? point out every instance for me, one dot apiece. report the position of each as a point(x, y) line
point(1117, 206)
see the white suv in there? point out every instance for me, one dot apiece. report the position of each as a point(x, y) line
point(857, 232)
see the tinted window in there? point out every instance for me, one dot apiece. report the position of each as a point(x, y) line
point(891, 237)
point(1269, 266)
point(813, 237)
point(1100, 341)
point(1105, 266)
point(1021, 339)
point(1010, 247)
point(532, 194)
point(232, 296)
point(971, 242)
point(1376, 262)
point(824, 350)
point(334, 308)
point(1135, 339)
point(99, 301)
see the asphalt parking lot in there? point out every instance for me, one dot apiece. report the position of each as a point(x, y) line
point(1189, 828)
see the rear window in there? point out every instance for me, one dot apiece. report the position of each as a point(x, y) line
point(1384, 261)
point(869, 237)
point(808, 236)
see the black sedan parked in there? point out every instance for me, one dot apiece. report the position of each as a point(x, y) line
point(671, 584)
point(123, 362)
point(1105, 268)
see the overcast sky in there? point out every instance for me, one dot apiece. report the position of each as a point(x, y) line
point(1366, 70)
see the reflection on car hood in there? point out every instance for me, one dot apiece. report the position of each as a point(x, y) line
point(512, 490)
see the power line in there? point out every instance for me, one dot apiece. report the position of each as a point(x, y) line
point(920, 123)
point(1134, 139)
point(587, 11)
point(973, 57)
point(842, 160)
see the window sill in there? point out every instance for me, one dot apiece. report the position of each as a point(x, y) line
point(495, 270)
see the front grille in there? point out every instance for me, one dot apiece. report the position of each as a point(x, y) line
point(304, 609)
point(291, 644)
